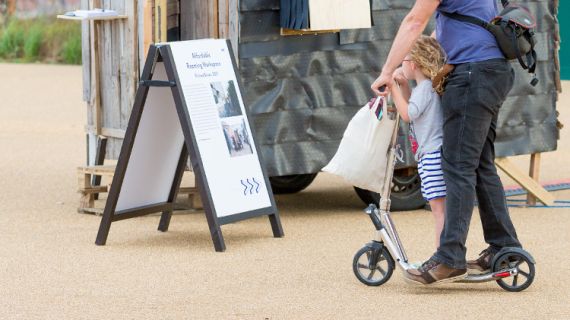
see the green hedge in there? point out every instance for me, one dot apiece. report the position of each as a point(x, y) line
point(44, 40)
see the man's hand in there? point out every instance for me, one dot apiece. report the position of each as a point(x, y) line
point(382, 85)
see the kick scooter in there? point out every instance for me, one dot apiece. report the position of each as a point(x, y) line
point(512, 268)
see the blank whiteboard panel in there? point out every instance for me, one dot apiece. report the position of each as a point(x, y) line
point(156, 150)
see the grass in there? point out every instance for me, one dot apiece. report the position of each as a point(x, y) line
point(41, 40)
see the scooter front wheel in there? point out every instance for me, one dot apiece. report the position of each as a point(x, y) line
point(525, 270)
point(373, 266)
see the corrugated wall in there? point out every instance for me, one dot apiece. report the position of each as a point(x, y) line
point(303, 90)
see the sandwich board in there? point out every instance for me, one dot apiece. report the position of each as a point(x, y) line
point(189, 103)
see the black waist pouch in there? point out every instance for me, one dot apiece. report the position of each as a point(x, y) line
point(513, 29)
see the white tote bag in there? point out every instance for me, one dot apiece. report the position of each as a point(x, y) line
point(361, 158)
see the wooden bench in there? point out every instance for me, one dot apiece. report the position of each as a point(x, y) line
point(89, 191)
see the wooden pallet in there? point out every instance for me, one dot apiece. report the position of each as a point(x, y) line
point(88, 191)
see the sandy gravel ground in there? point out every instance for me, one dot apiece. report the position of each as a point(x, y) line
point(51, 269)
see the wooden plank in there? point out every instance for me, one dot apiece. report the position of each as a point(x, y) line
point(234, 27)
point(223, 19)
point(534, 172)
point(87, 65)
point(213, 27)
point(148, 35)
point(173, 7)
point(525, 181)
point(95, 189)
point(96, 69)
point(194, 19)
point(160, 18)
point(107, 132)
point(128, 63)
point(105, 170)
point(142, 29)
point(173, 19)
point(96, 77)
point(118, 17)
point(112, 81)
point(86, 55)
point(293, 32)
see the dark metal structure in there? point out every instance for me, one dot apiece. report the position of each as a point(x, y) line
point(303, 90)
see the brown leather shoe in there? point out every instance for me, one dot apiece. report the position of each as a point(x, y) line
point(432, 272)
point(483, 263)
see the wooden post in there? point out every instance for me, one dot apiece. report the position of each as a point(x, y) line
point(95, 102)
point(87, 199)
point(534, 172)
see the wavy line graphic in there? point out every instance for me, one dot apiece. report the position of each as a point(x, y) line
point(251, 186)
point(257, 185)
point(245, 189)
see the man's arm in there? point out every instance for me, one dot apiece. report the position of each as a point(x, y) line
point(411, 28)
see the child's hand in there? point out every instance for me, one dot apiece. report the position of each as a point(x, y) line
point(399, 76)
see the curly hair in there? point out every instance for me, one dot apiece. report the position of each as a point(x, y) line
point(430, 58)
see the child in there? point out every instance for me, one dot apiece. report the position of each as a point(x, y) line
point(422, 109)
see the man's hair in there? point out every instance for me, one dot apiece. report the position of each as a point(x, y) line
point(429, 56)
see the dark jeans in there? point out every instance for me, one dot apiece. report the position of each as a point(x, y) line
point(471, 102)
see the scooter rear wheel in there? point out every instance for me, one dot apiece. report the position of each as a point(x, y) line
point(373, 273)
point(525, 271)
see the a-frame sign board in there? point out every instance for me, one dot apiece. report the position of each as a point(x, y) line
point(189, 102)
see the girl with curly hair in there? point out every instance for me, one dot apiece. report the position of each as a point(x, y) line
point(422, 109)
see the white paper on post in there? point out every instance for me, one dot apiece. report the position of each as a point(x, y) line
point(220, 126)
point(339, 14)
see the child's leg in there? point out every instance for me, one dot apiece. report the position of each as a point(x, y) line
point(438, 210)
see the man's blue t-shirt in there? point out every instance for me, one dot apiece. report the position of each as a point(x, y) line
point(465, 42)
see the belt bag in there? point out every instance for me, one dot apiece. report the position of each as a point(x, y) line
point(513, 29)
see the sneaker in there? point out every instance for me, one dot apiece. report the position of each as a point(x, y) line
point(483, 263)
point(432, 272)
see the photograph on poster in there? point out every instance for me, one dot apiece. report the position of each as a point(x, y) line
point(237, 137)
point(226, 98)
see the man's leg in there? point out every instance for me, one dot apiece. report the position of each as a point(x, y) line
point(466, 124)
point(498, 228)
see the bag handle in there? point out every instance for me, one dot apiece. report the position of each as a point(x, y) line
point(379, 108)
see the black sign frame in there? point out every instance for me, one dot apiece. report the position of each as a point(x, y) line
point(163, 53)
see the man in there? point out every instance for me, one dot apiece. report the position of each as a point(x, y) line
point(473, 95)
